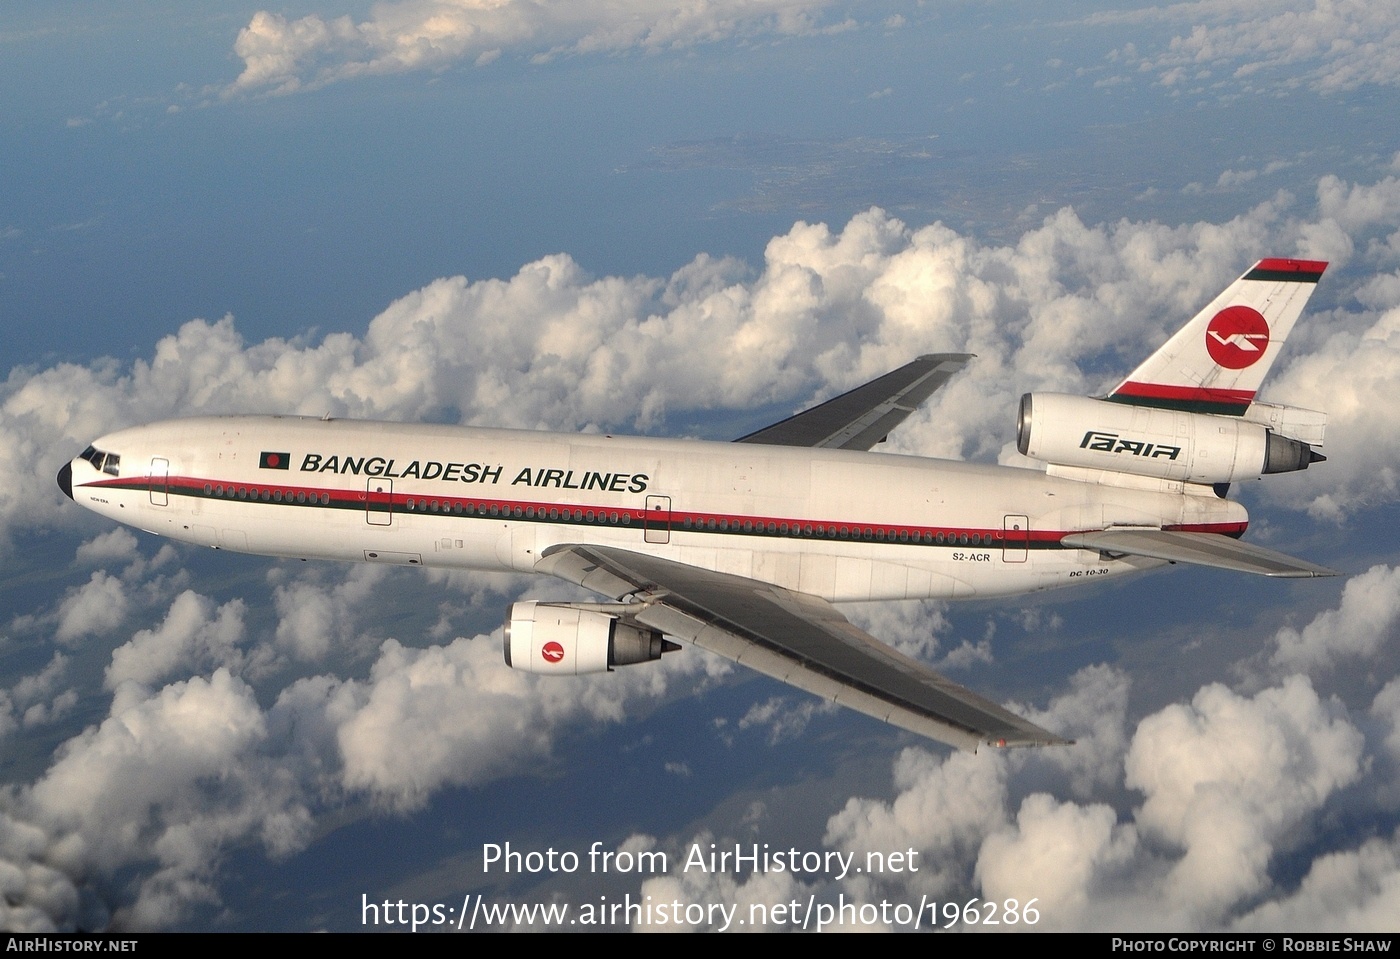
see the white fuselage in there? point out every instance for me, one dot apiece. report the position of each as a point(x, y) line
point(840, 525)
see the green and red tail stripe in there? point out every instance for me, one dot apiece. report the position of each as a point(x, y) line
point(1287, 271)
point(1190, 399)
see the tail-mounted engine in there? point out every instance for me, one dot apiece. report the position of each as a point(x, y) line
point(1167, 444)
point(565, 639)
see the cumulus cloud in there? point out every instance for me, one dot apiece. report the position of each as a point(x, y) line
point(313, 617)
point(282, 56)
point(783, 718)
point(1068, 306)
point(453, 714)
point(1157, 805)
point(32, 701)
point(117, 545)
point(944, 809)
point(164, 782)
point(174, 777)
point(1329, 46)
point(1228, 783)
point(1094, 714)
point(1227, 779)
point(1359, 628)
point(1356, 891)
point(96, 608)
point(700, 891)
point(193, 635)
point(1181, 816)
point(1061, 856)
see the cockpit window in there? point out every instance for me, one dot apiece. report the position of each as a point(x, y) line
point(102, 461)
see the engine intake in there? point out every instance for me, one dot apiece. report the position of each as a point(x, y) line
point(1166, 444)
point(564, 639)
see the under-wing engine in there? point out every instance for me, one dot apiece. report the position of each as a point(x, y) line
point(570, 639)
point(1163, 443)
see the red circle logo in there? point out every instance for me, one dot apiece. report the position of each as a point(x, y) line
point(552, 652)
point(1237, 337)
point(273, 459)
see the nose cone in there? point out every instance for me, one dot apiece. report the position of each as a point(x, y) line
point(65, 480)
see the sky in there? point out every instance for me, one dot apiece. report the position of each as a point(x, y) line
point(683, 222)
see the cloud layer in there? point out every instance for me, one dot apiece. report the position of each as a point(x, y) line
point(282, 56)
point(1329, 46)
point(224, 730)
point(1183, 825)
point(1218, 46)
point(1069, 307)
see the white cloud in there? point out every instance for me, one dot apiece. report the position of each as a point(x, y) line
point(945, 809)
point(193, 636)
point(1228, 784)
point(911, 627)
point(454, 714)
point(827, 311)
point(95, 609)
point(166, 782)
point(117, 545)
point(784, 718)
point(313, 618)
point(1060, 856)
point(1226, 781)
point(1356, 891)
point(32, 701)
point(700, 891)
point(1228, 778)
point(282, 56)
point(1329, 46)
point(1094, 714)
point(1360, 627)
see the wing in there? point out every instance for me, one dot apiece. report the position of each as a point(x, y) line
point(794, 637)
point(863, 417)
point(1203, 549)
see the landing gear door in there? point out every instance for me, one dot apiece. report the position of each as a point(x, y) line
point(160, 481)
point(379, 501)
point(657, 521)
point(1016, 539)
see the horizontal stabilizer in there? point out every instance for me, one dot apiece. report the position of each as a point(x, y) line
point(1202, 549)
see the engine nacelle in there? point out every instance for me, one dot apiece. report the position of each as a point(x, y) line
point(568, 640)
point(1167, 444)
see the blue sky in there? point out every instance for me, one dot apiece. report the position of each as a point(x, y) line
point(420, 211)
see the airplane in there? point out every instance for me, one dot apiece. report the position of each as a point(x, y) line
point(742, 548)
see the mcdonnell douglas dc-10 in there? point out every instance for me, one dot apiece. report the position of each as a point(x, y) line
point(742, 548)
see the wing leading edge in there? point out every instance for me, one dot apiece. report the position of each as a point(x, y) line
point(794, 637)
point(863, 417)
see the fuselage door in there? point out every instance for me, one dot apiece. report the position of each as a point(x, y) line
point(160, 481)
point(657, 521)
point(1016, 539)
point(379, 501)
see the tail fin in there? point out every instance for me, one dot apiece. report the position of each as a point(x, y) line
point(1215, 363)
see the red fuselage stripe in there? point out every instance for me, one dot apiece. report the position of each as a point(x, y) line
point(284, 494)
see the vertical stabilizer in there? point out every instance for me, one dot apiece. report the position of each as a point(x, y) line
point(1215, 363)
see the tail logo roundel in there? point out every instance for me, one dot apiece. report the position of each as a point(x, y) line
point(552, 652)
point(1237, 337)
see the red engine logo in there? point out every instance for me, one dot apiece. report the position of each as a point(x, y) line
point(1237, 337)
point(552, 652)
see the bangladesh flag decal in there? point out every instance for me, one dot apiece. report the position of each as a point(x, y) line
point(274, 461)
